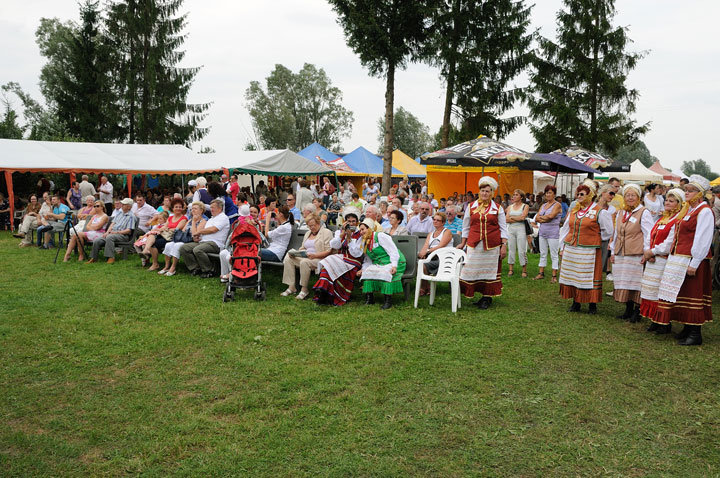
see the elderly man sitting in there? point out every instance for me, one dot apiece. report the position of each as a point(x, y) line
point(209, 239)
point(373, 213)
point(120, 230)
point(453, 222)
point(422, 222)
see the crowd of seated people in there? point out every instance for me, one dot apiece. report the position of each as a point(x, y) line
point(346, 231)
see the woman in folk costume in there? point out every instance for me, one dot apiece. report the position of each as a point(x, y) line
point(662, 237)
point(628, 243)
point(383, 267)
point(686, 284)
point(338, 271)
point(581, 267)
point(485, 234)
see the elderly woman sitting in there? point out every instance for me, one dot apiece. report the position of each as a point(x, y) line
point(94, 228)
point(383, 267)
point(315, 246)
point(395, 218)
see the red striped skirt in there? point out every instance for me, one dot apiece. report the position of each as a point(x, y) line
point(489, 288)
point(340, 289)
point(587, 296)
point(693, 303)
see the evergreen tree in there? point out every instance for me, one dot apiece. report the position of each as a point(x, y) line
point(75, 80)
point(385, 34)
point(480, 48)
point(9, 127)
point(295, 110)
point(410, 135)
point(42, 122)
point(146, 36)
point(578, 87)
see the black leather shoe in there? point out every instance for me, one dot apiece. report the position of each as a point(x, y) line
point(628, 311)
point(195, 272)
point(575, 307)
point(592, 309)
point(683, 333)
point(388, 302)
point(693, 338)
point(485, 303)
point(663, 329)
point(635, 317)
point(369, 299)
point(207, 275)
point(653, 327)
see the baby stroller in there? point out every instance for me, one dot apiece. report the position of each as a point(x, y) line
point(246, 269)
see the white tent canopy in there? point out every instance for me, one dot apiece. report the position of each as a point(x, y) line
point(638, 172)
point(112, 158)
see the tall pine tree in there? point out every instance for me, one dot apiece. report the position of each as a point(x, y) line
point(75, 80)
point(480, 48)
point(579, 93)
point(146, 36)
point(385, 34)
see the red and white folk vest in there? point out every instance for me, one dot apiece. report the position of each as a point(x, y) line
point(484, 227)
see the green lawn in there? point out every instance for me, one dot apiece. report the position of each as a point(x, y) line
point(111, 370)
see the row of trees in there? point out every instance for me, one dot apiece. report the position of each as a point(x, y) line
point(577, 92)
point(112, 77)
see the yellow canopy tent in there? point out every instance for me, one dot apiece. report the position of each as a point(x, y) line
point(715, 182)
point(407, 165)
point(443, 181)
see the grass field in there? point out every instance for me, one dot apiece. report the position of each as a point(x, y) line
point(112, 370)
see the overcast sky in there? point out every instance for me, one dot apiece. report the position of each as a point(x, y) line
point(237, 42)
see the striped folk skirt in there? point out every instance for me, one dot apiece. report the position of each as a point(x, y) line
point(581, 274)
point(481, 272)
point(627, 278)
point(650, 287)
point(692, 305)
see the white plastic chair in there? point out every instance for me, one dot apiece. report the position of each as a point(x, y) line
point(451, 262)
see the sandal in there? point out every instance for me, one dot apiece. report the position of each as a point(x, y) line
point(541, 275)
point(524, 274)
point(510, 273)
point(553, 279)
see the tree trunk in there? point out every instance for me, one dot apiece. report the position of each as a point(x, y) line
point(450, 91)
point(145, 100)
point(594, 90)
point(387, 153)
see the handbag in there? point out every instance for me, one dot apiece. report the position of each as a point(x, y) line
point(183, 236)
point(528, 228)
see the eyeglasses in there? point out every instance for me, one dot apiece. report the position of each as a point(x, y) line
point(611, 193)
point(97, 207)
point(437, 219)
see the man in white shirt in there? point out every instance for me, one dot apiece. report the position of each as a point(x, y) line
point(143, 211)
point(209, 239)
point(106, 194)
point(423, 221)
point(372, 213)
point(86, 189)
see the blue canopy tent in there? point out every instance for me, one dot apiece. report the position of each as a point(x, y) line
point(365, 163)
point(326, 158)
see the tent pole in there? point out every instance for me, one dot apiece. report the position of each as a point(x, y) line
point(252, 183)
point(11, 196)
point(557, 173)
point(129, 184)
point(182, 183)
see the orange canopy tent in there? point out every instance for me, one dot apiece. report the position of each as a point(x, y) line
point(443, 181)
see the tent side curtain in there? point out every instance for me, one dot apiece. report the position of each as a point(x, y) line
point(445, 181)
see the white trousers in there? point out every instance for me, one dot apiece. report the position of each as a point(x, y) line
point(517, 240)
point(225, 256)
point(552, 245)
point(172, 249)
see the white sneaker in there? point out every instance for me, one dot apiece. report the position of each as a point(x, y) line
point(609, 277)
